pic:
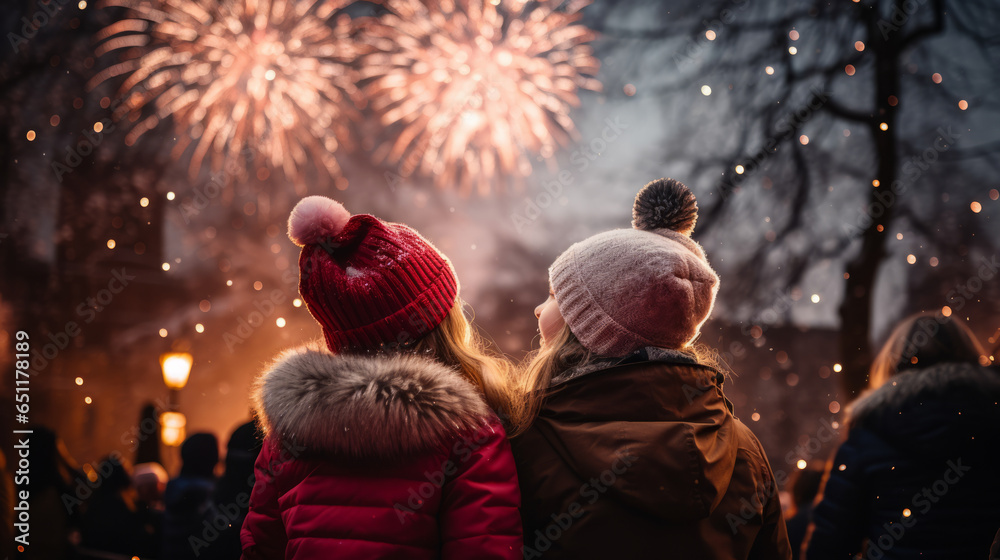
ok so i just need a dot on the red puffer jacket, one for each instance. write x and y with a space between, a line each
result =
378 458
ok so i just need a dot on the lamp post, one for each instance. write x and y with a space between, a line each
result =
176 368
172 428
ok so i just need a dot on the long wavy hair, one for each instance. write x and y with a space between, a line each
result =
922 340
565 351
562 352
456 343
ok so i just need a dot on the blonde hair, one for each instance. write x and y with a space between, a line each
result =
455 343
555 356
922 340
562 352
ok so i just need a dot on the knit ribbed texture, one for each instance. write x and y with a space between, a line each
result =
626 289
375 284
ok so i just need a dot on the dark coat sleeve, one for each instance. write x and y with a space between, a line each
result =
839 518
479 506
263 534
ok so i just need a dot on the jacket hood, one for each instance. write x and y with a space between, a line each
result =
363 406
663 432
933 410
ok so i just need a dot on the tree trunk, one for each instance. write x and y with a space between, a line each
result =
862 271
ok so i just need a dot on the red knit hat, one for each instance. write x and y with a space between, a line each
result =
368 283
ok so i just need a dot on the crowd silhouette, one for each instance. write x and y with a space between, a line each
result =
117 509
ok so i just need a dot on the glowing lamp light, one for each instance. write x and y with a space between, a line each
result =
801 464
172 428
176 369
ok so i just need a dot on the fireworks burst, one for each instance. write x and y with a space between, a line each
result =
470 89
245 81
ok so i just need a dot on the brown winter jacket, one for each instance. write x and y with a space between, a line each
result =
646 460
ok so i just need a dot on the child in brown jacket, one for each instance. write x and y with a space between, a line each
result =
635 452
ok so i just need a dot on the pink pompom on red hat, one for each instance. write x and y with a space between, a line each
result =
314 218
368 283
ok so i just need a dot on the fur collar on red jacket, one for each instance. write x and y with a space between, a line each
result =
364 406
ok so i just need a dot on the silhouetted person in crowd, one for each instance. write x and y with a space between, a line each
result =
188 498
150 482
54 474
232 494
917 475
114 522
804 485
148 439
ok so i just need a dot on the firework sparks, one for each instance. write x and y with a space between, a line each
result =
470 89
245 81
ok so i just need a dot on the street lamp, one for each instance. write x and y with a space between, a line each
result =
172 428
176 370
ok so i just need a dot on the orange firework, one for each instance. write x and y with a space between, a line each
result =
469 90
260 80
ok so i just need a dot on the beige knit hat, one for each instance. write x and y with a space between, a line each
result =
626 289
